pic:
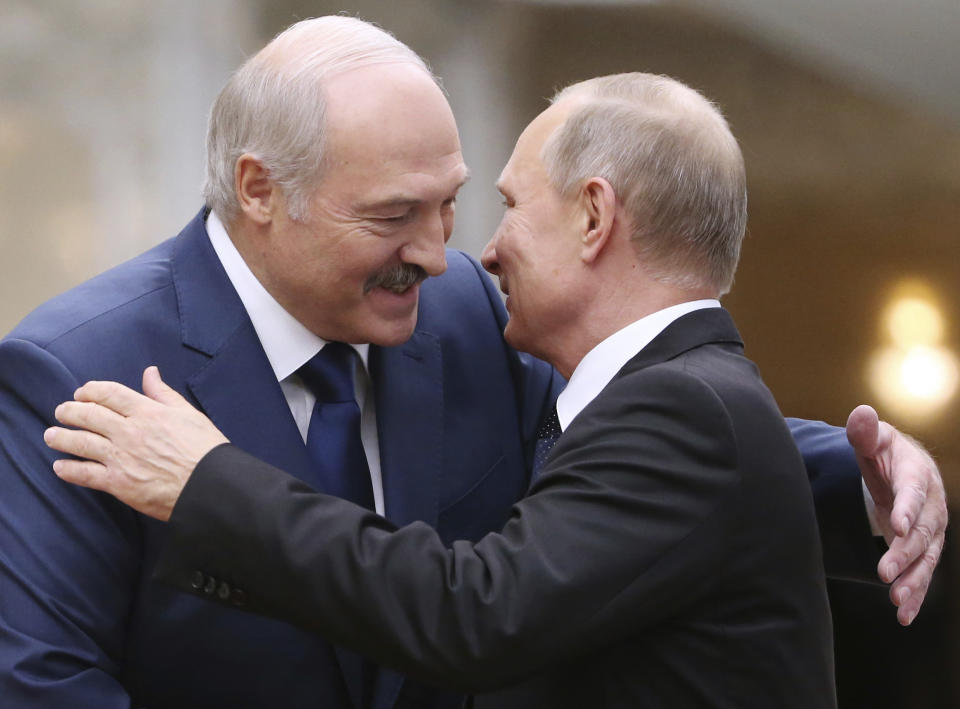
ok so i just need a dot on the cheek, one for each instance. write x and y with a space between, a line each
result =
448 220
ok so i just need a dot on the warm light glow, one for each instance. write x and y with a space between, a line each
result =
913 374
914 321
914 381
929 373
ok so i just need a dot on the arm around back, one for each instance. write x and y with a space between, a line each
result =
849 549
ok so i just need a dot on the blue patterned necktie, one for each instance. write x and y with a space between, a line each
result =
333 439
547 436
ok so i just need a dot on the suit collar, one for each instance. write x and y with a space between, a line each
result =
702 327
601 364
210 309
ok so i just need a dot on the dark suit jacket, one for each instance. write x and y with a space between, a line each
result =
81 623
667 557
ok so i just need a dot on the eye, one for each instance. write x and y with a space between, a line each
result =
398 218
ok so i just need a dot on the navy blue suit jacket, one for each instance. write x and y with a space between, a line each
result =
81 622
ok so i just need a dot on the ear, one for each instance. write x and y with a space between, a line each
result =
599 205
256 192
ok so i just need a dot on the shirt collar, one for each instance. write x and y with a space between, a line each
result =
286 342
602 363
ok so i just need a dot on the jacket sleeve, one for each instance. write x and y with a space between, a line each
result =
68 560
850 552
617 535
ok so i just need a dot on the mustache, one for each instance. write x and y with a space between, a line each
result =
396 278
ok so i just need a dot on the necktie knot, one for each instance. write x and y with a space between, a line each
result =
329 373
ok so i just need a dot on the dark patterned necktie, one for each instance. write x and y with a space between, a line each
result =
333 438
547 436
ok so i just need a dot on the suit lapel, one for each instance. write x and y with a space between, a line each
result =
237 387
238 391
408 385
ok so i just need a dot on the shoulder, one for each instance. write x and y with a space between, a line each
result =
462 305
653 416
708 402
464 288
664 389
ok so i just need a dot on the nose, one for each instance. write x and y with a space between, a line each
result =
489 256
427 248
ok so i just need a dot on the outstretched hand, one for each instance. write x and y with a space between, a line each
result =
140 448
910 503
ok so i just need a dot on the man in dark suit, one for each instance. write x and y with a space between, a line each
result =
666 556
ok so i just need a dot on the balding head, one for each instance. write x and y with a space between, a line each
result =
274 106
673 163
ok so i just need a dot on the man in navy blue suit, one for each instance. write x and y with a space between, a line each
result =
333 168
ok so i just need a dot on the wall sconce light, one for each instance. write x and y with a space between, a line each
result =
914 374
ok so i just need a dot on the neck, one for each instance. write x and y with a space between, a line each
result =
248 239
616 307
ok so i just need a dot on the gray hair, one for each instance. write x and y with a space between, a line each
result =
673 163
273 106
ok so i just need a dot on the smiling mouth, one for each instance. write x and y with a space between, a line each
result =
398 289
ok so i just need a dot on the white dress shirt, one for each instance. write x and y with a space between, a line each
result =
603 362
289 345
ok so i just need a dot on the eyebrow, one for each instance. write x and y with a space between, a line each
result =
404 201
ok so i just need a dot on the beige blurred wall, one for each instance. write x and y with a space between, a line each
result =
102 113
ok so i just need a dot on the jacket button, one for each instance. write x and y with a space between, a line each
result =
223 591
210 586
196 580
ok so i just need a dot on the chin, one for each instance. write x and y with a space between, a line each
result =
391 334
513 334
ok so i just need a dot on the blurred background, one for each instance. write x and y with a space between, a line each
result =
848 112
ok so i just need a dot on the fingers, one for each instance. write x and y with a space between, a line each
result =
910 589
913 477
155 388
904 551
872 442
910 496
863 429
85 473
82 444
92 417
112 395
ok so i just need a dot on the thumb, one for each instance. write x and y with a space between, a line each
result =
863 430
156 388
